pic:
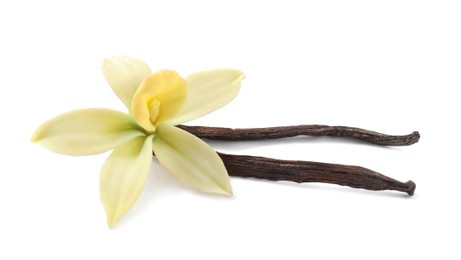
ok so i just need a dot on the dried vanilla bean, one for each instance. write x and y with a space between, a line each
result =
305 171
231 134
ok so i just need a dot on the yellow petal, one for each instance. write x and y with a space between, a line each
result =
86 131
160 97
123 176
190 160
124 75
208 91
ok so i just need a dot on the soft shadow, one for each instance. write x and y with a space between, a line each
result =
160 185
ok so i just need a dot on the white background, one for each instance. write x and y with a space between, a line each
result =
389 66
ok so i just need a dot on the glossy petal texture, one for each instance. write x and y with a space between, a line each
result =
160 97
86 131
190 160
124 75
208 91
123 176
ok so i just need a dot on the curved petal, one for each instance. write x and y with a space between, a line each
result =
124 75
123 176
86 131
160 97
208 91
190 160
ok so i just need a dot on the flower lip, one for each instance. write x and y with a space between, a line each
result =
159 97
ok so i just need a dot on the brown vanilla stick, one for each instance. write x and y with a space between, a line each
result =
305 171
231 134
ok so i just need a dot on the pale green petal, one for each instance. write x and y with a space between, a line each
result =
208 91
160 97
123 176
190 160
124 75
86 131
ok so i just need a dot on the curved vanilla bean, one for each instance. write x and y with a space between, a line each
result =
305 171
230 134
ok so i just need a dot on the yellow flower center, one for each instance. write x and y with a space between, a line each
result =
154 106
165 88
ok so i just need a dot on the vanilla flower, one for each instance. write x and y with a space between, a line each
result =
156 102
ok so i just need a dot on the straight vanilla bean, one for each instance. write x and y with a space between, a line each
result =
305 171
230 134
